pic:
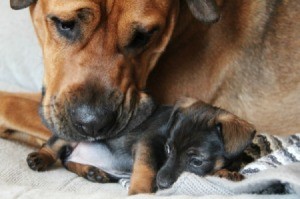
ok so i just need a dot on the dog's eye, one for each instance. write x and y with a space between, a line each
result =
167 149
141 38
66 28
195 162
66 25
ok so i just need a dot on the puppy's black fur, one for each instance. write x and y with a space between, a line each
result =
202 140
192 136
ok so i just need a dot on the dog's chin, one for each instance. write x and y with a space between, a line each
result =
77 137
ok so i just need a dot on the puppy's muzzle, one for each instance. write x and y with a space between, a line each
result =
165 177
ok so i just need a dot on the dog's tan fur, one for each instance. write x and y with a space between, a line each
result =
247 62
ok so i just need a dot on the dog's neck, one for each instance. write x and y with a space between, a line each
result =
213 45
186 25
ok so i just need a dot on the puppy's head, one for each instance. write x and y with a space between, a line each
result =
202 139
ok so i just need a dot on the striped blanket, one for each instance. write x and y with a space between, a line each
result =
271 151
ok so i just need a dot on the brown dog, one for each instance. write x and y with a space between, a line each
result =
240 55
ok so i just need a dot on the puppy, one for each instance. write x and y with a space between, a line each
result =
204 140
192 136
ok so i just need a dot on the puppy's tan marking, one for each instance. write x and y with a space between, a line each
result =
143 174
230 175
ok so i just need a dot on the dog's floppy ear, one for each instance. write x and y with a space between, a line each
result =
236 132
20 4
204 10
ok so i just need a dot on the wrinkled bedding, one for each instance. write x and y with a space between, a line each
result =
21 70
18 181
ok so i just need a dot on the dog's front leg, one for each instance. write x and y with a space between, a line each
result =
19 118
49 153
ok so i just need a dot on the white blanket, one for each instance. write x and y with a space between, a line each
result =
21 70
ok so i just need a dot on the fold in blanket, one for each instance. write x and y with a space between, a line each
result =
282 180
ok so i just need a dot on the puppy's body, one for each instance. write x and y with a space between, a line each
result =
115 156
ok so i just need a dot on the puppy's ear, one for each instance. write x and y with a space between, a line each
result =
236 132
204 10
178 112
20 4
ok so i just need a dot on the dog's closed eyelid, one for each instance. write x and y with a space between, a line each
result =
54 18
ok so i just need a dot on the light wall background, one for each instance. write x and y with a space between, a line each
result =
21 65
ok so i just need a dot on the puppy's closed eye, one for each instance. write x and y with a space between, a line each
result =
195 161
195 157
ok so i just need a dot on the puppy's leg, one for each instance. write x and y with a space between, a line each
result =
230 175
89 172
19 118
48 154
144 170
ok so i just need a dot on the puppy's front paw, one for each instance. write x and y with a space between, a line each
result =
96 175
141 186
133 190
37 161
230 175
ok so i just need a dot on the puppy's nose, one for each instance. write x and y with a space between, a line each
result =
163 183
89 120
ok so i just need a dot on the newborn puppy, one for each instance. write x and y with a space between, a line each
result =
200 138
204 140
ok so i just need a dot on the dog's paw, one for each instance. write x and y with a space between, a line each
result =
5 132
96 175
37 161
2 130
230 175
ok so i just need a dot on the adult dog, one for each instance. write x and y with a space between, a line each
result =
100 55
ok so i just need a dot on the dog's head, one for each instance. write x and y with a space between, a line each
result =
202 140
98 55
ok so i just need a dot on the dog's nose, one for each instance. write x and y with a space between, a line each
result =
89 120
